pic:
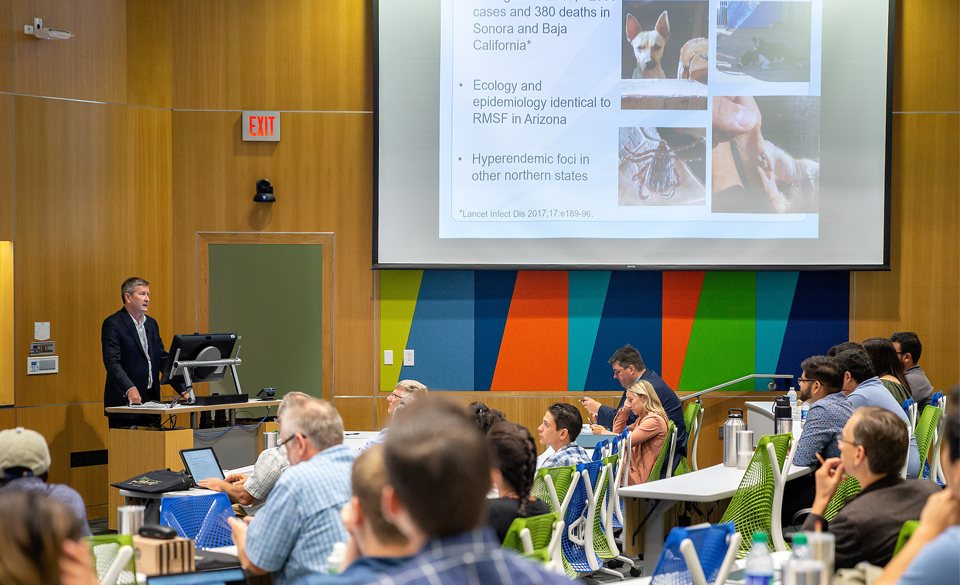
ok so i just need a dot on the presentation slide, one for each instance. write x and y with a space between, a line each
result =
660 133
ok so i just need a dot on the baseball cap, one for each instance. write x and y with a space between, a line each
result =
22 447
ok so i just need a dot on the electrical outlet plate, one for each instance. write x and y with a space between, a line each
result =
388 357
408 357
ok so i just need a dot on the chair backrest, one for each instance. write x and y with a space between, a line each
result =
662 466
751 508
707 558
926 428
906 531
201 518
554 491
693 419
531 536
104 549
849 487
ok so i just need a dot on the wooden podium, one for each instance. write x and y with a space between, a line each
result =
137 451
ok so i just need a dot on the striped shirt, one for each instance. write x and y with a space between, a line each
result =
294 532
471 558
270 464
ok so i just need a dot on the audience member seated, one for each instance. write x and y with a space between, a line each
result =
888 367
25 465
821 386
408 390
35 527
439 471
375 546
515 465
628 367
932 555
865 389
873 448
561 426
485 417
907 346
647 433
294 532
251 491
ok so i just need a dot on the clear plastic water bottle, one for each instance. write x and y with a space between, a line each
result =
337 555
804 409
802 568
794 407
759 564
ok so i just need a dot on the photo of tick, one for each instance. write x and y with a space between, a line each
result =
662 166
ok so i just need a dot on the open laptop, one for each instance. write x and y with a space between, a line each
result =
221 577
201 464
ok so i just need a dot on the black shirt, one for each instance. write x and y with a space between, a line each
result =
501 513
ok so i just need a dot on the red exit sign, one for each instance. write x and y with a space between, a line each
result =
261 126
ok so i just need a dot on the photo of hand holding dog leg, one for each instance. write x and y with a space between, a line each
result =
776 174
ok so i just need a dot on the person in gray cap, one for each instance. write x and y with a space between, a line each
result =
24 465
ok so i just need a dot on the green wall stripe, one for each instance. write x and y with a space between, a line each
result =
723 339
398 300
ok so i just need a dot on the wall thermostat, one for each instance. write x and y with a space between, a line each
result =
43 365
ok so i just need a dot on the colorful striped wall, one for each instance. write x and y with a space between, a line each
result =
551 331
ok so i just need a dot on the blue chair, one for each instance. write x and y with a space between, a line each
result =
697 555
202 519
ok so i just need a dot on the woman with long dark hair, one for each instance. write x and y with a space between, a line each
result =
888 367
515 460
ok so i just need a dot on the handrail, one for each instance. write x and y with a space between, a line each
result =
737 381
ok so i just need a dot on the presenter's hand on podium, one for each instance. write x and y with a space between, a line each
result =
133 396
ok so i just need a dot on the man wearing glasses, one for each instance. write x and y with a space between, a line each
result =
873 449
294 533
408 390
821 385
628 367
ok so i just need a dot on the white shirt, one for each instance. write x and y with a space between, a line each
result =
142 332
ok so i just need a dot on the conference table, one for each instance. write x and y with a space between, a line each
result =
706 485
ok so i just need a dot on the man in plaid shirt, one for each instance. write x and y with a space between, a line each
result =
561 426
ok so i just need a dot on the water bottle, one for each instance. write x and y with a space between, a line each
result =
759 564
794 406
804 409
802 568
337 555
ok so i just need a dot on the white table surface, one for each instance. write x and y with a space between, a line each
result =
706 485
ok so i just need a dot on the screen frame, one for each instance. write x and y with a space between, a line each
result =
887 188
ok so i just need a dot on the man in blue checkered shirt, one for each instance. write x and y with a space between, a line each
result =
561 426
439 470
294 532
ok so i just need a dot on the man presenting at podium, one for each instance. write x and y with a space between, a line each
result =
133 354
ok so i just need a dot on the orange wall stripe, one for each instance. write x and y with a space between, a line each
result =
681 294
533 353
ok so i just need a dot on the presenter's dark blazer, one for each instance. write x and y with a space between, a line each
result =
126 362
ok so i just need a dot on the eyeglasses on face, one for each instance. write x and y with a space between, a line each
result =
285 441
616 371
802 379
840 439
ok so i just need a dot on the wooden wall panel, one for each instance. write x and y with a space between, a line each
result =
8 197
356 412
149 53
7 393
321 171
926 67
6 48
267 55
8 418
70 428
93 209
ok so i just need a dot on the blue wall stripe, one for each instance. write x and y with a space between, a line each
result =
774 300
632 313
819 318
587 292
493 291
442 331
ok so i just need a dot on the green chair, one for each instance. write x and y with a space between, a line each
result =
693 419
849 487
926 431
553 486
756 505
537 538
906 531
662 468
113 558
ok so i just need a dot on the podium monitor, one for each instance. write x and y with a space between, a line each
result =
198 347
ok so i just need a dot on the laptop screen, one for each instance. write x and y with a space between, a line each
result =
222 577
201 463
